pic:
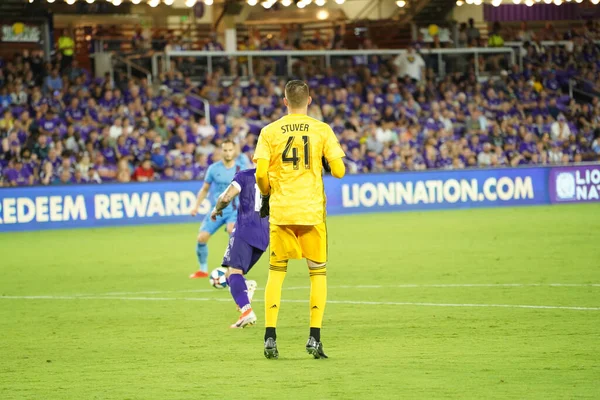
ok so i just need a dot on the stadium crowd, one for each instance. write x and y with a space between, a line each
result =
58 125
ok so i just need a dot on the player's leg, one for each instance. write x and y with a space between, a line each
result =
229 219
283 246
313 241
251 284
207 229
240 260
237 259
239 292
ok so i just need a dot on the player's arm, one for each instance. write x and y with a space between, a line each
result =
202 193
338 168
262 177
262 158
333 155
232 191
262 181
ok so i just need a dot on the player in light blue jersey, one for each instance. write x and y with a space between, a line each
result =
218 177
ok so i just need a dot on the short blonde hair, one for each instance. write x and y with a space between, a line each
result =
296 93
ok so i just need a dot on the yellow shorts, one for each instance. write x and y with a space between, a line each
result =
290 242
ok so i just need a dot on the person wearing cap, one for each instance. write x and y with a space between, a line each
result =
559 129
555 155
158 156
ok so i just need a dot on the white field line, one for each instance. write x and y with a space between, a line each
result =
371 303
403 286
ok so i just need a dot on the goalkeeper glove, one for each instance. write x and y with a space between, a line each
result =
326 166
264 206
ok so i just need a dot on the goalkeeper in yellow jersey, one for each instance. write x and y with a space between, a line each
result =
290 156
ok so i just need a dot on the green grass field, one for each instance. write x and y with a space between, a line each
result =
111 314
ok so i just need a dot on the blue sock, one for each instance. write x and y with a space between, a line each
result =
202 253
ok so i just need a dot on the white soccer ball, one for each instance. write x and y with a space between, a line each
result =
217 278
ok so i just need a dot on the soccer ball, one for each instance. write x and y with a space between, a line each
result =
217 278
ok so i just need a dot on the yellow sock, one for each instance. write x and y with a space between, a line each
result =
273 294
318 295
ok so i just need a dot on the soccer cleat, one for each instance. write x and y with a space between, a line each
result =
271 348
247 318
199 274
315 348
251 285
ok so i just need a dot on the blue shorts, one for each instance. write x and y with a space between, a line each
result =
210 226
241 255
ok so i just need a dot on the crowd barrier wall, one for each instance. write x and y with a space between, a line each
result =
77 206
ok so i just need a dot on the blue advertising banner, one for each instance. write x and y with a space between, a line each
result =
575 184
437 190
55 207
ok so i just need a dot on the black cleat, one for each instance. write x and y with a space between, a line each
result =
271 348
315 348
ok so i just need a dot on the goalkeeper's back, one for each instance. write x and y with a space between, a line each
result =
294 146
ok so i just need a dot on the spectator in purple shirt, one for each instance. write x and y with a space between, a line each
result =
74 113
107 172
17 175
527 147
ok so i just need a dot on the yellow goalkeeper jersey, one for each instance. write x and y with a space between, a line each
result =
294 146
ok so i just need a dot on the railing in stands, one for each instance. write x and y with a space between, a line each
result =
439 55
544 43
577 88
194 99
130 66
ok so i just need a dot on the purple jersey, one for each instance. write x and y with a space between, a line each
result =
249 226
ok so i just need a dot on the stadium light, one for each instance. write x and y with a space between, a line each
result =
209 2
252 2
578 1
137 1
286 3
529 3
300 4
558 2
167 2
477 2
190 3
50 1
340 1
154 3
266 4
517 1
402 3
320 3
469 1
595 1
496 3
117 2
89 1
322 15
70 2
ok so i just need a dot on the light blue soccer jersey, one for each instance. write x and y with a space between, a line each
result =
219 177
